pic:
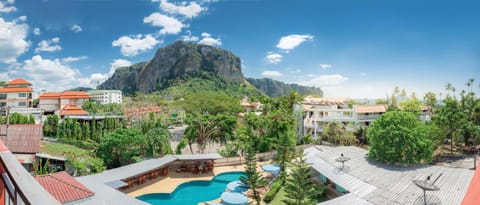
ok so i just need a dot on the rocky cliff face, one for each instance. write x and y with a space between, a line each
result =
178 60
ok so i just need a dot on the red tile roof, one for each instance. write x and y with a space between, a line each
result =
472 197
18 81
74 94
73 110
49 96
64 187
15 90
22 138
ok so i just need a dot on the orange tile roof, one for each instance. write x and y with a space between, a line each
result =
15 90
22 138
64 187
472 197
49 96
18 81
74 94
370 108
73 110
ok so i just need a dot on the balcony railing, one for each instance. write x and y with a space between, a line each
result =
17 186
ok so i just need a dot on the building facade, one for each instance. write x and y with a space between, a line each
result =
16 93
64 103
106 96
318 112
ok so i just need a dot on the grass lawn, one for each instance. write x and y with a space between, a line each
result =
59 149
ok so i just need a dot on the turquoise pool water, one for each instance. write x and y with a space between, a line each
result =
194 192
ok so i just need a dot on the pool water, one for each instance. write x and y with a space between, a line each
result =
194 192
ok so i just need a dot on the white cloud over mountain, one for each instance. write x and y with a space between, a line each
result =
271 73
134 45
325 80
168 24
208 40
290 42
273 58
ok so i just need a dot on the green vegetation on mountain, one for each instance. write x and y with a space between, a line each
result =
274 88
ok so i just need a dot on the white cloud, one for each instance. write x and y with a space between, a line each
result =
6 7
169 25
133 45
208 40
49 45
22 18
363 74
273 58
325 66
118 63
13 41
189 37
76 28
50 74
36 31
288 43
189 10
325 80
73 59
271 73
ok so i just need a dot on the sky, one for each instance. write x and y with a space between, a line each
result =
349 48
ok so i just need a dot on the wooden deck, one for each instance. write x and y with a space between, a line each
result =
376 183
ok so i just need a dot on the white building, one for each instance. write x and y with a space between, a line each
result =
106 96
320 111
17 93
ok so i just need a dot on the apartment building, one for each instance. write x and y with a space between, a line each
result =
106 96
64 104
321 111
16 93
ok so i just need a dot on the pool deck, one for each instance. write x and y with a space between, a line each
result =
168 183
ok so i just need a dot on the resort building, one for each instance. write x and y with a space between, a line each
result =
106 96
16 93
67 103
65 188
23 141
318 112
250 106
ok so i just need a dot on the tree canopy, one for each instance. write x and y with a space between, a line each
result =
399 137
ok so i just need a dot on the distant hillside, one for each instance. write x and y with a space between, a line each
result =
183 67
81 89
274 88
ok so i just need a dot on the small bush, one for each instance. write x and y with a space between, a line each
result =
275 187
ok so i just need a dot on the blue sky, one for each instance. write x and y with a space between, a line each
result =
349 48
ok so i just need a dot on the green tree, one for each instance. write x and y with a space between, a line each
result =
281 129
299 188
119 147
157 142
430 100
451 118
253 178
51 126
399 137
210 128
208 102
411 105
336 133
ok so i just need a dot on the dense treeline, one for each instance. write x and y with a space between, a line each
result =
17 118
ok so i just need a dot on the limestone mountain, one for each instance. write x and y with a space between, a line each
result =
184 67
275 88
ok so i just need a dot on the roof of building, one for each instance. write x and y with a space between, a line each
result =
73 110
16 90
377 183
326 101
22 138
74 94
197 156
23 181
18 81
471 197
370 108
50 95
64 187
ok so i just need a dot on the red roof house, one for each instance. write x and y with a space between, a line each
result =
22 138
64 187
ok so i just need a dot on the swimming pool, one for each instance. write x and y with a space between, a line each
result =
194 192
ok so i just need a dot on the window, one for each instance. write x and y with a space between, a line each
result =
22 95
3 104
22 104
3 96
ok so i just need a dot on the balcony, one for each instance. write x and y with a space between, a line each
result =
17 186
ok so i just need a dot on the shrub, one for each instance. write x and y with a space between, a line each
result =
274 188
